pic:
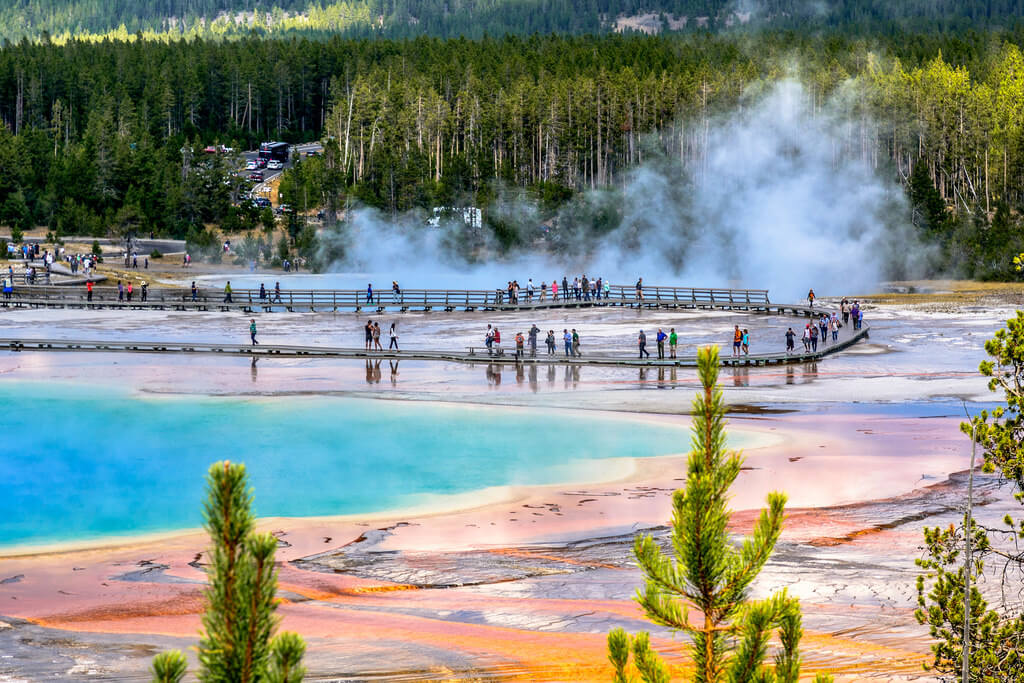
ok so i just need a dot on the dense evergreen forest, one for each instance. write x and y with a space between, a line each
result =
104 137
209 19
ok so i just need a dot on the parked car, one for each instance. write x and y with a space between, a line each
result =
256 176
250 166
274 165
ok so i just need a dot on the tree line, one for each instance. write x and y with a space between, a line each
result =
107 137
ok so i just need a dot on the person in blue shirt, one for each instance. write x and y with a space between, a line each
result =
660 338
369 293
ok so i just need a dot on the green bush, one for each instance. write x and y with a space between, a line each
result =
97 250
155 254
3 250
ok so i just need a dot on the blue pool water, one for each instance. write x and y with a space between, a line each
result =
79 463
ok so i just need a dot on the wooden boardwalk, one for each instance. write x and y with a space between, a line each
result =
278 351
249 301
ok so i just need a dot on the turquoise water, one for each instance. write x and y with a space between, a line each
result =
80 464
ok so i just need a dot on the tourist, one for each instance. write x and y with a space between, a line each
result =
585 283
660 340
746 342
737 340
369 293
489 340
814 338
519 345
640 289
790 339
844 308
642 343
393 334
227 292
823 326
145 290
576 289
543 290
396 292
567 338
607 289
263 292
120 291
376 338
810 297
550 341
807 337
497 341
565 289
529 290
252 331
88 290
554 290
128 293
834 326
576 343
368 333
673 339
534 331
195 291
277 292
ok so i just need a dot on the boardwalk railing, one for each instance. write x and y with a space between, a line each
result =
449 299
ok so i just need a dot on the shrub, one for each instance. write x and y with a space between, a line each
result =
155 254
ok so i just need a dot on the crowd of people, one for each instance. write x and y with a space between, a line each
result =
581 288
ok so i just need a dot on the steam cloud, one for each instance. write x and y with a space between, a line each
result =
778 201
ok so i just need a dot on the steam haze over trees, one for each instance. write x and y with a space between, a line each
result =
102 137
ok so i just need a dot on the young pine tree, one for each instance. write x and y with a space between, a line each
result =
239 621
730 642
995 633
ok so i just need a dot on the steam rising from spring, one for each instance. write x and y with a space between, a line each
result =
779 199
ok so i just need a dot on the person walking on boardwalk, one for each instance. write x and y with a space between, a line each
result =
369 293
823 326
277 292
833 326
585 283
810 297
227 292
737 340
489 340
534 331
660 340
252 331
145 291
576 343
567 338
565 288
376 338
393 333
120 291
607 289
263 292
814 338
368 333
641 341
519 345
790 340
554 290
497 341
543 290
128 293
550 341
844 308
673 339
640 289
746 342
195 291
396 292
88 290
529 291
